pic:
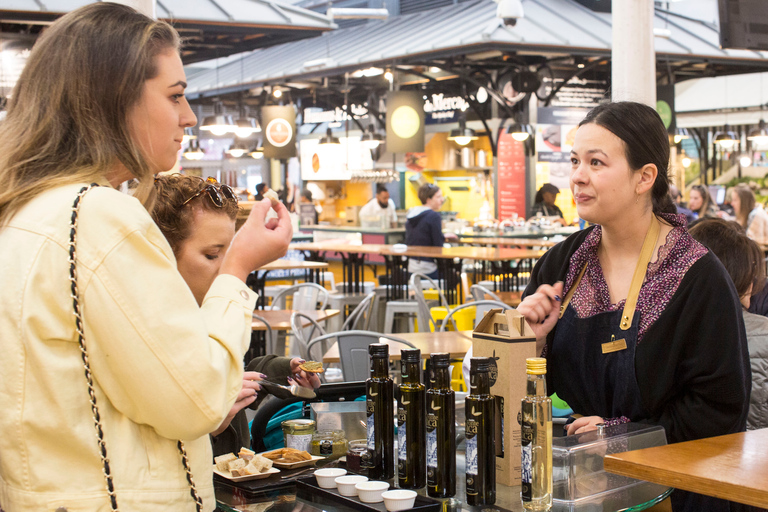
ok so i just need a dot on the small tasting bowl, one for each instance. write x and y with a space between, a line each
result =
346 484
326 477
370 492
399 499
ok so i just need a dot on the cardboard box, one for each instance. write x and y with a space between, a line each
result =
506 337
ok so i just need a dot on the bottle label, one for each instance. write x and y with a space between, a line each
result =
326 447
300 442
471 450
371 431
431 441
526 476
402 441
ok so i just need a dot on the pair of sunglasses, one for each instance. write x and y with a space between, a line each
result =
217 193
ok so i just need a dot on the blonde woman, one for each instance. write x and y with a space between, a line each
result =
750 215
101 100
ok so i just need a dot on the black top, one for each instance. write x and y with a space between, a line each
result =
425 228
546 210
693 362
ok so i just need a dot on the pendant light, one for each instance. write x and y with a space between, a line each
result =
519 132
257 151
726 138
371 138
680 134
219 123
194 152
328 138
246 125
463 135
759 135
237 149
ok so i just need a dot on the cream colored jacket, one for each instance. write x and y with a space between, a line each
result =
164 369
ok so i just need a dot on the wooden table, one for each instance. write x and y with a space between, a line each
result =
732 467
511 299
280 319
257 280
456 343
507 242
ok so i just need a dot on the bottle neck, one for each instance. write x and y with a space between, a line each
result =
481 383
410 372
379 367
536 385
442 378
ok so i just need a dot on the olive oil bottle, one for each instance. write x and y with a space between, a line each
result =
379 395
411 418
441 430
481 436
536 438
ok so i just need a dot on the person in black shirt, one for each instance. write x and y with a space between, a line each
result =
544 203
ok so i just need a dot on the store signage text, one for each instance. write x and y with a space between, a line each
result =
337 115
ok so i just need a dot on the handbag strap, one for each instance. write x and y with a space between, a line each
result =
75 294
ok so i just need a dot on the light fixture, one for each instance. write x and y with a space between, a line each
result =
759 135
189 134
463 135
686 162
371 138
367 72
194 152
277 93
246 126
219 123
237 149
680 134
726 138
257 151
389 76
328 138
519 132
745 161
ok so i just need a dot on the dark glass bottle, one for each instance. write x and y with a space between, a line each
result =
411 419
481 439
379 394
441 430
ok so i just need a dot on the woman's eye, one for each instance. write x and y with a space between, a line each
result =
177 97
574 162
212 256
596 162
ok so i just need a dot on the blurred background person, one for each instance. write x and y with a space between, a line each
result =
677 198
700 202
261 189
381 205
544 203
751 216
424 226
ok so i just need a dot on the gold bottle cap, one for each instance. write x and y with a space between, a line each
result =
536 366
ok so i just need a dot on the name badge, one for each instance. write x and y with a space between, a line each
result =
614 345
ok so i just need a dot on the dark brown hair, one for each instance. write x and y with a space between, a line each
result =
706 200
645 142
175 220
427 192
67 119
739 254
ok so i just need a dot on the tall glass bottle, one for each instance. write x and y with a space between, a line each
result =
441 430
379 394
480 432
411 419
536 439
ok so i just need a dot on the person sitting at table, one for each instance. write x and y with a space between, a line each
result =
261 189
424 227
638 321
544 203
700 202
198 220
749 215
743 260
381 206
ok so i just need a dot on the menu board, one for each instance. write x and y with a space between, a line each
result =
511 180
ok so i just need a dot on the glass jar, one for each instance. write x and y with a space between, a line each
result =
329 443
298 433
356 453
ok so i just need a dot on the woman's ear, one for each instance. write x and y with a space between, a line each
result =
647 175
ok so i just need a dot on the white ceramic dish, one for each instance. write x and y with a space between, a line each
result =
399 247
295 465
370 492
226 474
346 484
326 477
399 499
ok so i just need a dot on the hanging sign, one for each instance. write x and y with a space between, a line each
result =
511 178
405 122
279 125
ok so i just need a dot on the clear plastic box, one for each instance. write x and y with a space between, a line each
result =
579 482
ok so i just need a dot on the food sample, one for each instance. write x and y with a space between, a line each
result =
312 367
222 461
249 463
287 455
272 195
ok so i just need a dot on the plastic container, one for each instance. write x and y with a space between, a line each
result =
399 499
346 484
298 433
370 492
326 477
579 482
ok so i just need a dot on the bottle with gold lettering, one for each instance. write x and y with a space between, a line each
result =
536 438
379 395
479 409
411 418
441 430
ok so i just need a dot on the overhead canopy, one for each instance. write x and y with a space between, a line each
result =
209 28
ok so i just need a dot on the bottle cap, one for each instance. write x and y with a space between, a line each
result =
536 366
410 355
479 365
378 350
441 360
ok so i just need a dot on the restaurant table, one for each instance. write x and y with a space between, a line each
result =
257 279
511 299
507 242
456 343
732 467
280 321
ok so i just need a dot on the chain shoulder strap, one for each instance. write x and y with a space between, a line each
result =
75 294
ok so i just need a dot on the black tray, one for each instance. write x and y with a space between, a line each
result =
307 489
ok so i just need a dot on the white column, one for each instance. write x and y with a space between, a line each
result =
148 7
633 56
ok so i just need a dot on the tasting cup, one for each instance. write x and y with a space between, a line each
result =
370 492
346 484
399 499
326 477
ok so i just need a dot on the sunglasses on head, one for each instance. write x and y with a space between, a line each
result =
217 193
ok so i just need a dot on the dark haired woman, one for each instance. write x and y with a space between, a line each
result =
640 322
700 202
544 203
425 227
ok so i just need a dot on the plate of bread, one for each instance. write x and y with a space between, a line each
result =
246 465
290 458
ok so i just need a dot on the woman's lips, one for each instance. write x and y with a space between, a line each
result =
582 198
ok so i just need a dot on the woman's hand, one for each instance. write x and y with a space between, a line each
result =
584 424
542 309
245 398
258 241
302 378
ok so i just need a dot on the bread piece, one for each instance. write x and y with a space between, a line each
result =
274 454
259 464
246 454
236 464
222 461
312 367
293 455
272 195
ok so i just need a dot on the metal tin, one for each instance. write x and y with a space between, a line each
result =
298 433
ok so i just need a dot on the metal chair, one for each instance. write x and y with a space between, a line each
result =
479 292
424 315
483 306
304 335
353 351
305 296
360 317
269 344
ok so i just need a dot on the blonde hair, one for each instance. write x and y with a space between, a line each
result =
747 198
67 119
